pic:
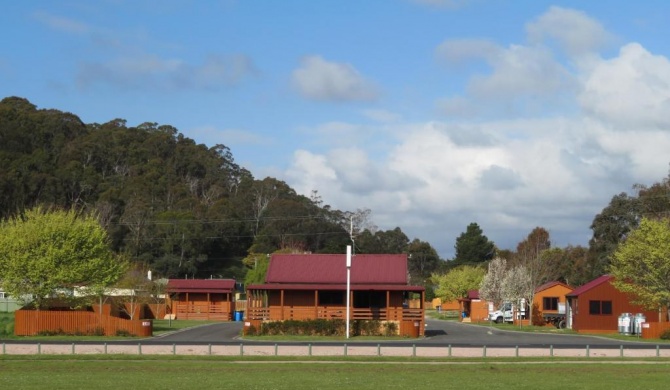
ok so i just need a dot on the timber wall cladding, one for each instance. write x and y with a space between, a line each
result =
34 322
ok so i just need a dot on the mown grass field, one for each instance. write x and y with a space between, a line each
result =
202 373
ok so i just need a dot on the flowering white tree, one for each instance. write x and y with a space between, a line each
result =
517 285
491 288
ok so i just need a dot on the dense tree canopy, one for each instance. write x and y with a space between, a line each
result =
457 282
167 203
42 252
641 264
473 247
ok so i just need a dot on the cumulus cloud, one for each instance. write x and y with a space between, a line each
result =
319 79
629 91
574 31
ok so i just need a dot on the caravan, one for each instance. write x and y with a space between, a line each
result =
507 312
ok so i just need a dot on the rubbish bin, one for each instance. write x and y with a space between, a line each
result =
239 315
625 323
638 320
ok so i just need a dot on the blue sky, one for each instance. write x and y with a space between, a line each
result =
432 113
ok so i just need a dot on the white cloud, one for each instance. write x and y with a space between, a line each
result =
60 23
609 130
319 79
154 72
575 32
630 91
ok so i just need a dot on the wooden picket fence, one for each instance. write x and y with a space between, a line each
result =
35 322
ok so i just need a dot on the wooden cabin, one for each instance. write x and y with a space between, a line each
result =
549 304
201 299
313 286
596 306
473 308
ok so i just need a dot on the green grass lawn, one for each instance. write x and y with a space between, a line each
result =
201 373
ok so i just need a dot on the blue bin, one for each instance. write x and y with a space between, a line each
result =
239 315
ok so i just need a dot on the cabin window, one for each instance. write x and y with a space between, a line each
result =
370 299
550 303
600 307
331 298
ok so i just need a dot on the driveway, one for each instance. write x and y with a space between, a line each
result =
438 333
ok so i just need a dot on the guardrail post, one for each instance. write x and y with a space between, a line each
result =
139 348
414 350
39 348
449 350
621 350
209 349
658 351
241 349
588 354
276 348
379 349
345 349
73 348
516 351
105 348
310 349
551 350
174 349
484 351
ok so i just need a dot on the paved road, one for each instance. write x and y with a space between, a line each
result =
438 333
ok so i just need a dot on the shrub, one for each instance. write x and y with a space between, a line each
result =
665 335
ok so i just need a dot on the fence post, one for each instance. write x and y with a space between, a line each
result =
449 350
3 348
345 349
209 349
241 349
621 350
588 354
658 351
414 350
73 348
276 348
174 349
516 351
139 348
39 348
484 351
310 349
379 349
551 350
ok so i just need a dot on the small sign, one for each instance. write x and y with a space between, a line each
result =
146 323
247 323
645 325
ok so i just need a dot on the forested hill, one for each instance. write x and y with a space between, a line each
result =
173 205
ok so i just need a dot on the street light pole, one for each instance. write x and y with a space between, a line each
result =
348 285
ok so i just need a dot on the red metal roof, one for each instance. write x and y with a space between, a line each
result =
331 269
586 287
336 287
201 285
550 285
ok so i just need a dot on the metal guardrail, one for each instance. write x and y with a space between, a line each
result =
316 349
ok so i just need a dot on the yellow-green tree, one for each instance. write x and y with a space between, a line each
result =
457 282
43 252
641 264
